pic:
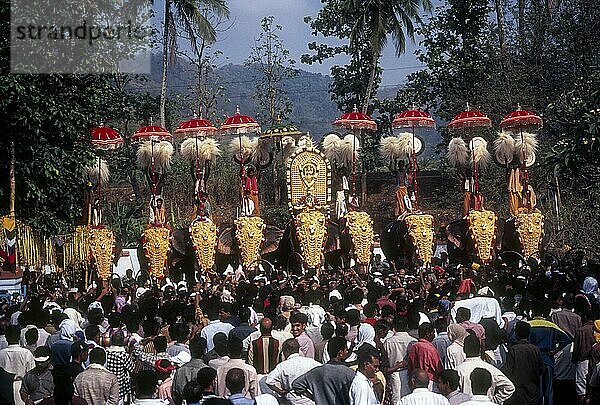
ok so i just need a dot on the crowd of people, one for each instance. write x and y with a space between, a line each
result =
450 335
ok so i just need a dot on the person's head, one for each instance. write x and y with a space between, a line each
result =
419 379
266 326
289 347
12 334
481 381
150 327
235 348
63 386
160 344
381 329
540 308
400 324
426 331
182 332
341 330
370 310
98 356
368 360
225 311
31 336
337 348
114 320
117 339
79 352
235 380
448 381
221 345
92 333
145 384
197 347
522 330
353 317
327 331
472 346
206 377
42 357
164 368
192 391
440 325
299 322
244 314
463 314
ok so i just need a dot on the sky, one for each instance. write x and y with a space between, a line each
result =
246 15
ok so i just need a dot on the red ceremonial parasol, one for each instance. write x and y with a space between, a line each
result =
196 127
106 138
238 124
355 121
414 118
470 119
521 120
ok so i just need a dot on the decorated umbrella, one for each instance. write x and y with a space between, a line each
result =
473 119
153 134
414 118
104 138
356 122
238 124
521 122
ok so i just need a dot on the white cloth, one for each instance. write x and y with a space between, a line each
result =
396 347
340 204
266 399
210 330
479 400
74 315
502 388
42 336
287 371
480 307
280 335
455 355
16 360
422 396
316 314
361 391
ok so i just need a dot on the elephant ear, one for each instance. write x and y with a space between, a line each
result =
273 236
225 242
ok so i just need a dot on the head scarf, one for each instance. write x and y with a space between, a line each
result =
590 286
68 327
366 334
456 333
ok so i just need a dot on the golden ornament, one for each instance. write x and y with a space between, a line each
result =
482 227
249 237
204 238
156 247
420 230
312 235
102 243
530 228
360 228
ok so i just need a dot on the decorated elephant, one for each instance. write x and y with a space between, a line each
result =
461 245
527 233
408 242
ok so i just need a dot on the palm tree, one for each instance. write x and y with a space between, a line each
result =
191 15
376 20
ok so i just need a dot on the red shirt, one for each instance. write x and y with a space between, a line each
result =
370 321
251 184
423 354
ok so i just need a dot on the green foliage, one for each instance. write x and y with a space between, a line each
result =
274 64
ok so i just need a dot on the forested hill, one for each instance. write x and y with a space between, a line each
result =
312 111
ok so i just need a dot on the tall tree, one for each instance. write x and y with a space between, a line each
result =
377 20
270 56
191 16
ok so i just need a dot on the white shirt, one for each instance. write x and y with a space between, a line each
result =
422 396
479 400
287 371
17 360
210 330
502 388
280 335
361 391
